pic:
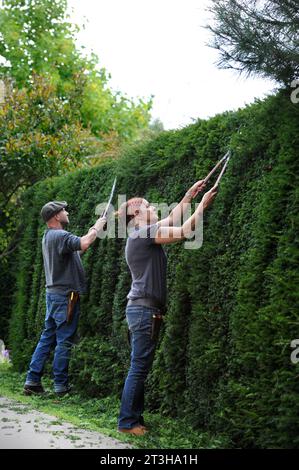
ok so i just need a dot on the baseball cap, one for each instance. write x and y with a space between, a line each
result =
52 208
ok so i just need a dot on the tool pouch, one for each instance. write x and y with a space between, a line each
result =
73 298
129 337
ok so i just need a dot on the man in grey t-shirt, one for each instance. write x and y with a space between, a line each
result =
146 300
147 263
65 281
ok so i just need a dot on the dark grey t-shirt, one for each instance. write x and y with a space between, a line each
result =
147 262
63 266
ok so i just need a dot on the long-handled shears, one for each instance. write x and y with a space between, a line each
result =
224 160
104 214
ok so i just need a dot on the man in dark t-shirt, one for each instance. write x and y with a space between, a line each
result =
147 262
65 281
62 262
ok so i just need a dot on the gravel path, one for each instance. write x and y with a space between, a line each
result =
24 428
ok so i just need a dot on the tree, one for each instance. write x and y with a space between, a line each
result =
40 136
258 37
37 38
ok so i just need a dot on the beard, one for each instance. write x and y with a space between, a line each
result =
64 223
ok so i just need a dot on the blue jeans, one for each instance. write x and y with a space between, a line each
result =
58 334
139 321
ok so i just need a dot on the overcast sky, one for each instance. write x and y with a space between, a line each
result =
158 47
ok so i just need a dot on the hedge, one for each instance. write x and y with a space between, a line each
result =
223 360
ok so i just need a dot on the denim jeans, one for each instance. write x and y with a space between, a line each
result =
139 321
57 333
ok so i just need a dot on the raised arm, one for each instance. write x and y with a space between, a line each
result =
92 234
166 235
177 213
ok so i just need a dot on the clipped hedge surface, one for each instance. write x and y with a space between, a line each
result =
223 360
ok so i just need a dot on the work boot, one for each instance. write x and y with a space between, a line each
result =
33 389
64 392
142 423
136 431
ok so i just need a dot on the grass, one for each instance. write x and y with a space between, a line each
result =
101 415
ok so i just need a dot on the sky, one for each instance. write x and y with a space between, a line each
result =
159 48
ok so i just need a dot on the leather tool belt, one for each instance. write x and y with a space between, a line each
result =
73 298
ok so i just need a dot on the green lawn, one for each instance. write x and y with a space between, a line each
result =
101 415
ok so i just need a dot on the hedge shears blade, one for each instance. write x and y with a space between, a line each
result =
110 199
223 169
223 159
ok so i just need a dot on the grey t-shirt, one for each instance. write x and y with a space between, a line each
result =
147 262
63 266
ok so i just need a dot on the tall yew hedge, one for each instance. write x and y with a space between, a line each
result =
223 360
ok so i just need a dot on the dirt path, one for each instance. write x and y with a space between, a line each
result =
24 428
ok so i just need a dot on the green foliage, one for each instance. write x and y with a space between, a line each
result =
223 359
95 367
100 414
40 136
257 37
37 38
